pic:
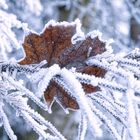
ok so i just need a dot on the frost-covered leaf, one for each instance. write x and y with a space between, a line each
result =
64 44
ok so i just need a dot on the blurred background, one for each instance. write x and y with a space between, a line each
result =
116 19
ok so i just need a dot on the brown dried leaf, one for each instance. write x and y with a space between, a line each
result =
54 45
62 97
49 45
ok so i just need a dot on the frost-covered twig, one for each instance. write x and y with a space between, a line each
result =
78 93
6 124
82 128
133 127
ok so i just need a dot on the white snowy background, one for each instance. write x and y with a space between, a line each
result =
118 20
